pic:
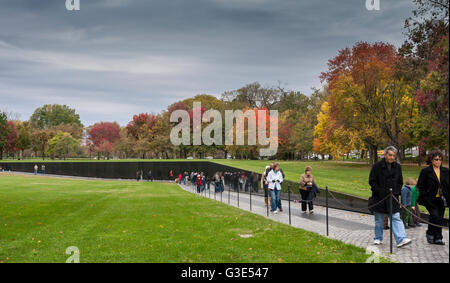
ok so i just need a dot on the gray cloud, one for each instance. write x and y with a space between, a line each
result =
116 58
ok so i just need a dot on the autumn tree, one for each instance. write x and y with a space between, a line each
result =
425 61
11 144
39 141
103 136
364 89
23 136
4 132
140 129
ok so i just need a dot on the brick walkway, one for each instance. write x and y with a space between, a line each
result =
349 227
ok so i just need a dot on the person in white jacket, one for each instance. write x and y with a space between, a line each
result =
275 178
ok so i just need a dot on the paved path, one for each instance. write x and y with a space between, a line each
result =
349 227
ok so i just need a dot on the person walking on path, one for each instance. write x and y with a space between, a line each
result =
275 178
35 169
434 195
406 210
138 175
43 169
415 205
149 175
265 186
384 176
198 182
306 185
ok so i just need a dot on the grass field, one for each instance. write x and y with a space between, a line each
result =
122 221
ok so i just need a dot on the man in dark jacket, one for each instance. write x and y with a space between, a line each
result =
384 176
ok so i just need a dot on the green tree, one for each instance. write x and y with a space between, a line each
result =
49 116
62 145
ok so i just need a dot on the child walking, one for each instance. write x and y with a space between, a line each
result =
406 210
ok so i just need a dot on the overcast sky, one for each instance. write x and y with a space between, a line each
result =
116 58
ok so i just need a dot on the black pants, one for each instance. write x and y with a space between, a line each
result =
304 194
436 209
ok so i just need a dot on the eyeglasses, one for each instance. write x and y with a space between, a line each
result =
437 159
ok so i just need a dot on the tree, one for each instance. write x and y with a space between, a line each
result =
252 95
62 145
140 130
4 132
103 136
39 141
425 57
24 136
125 144
12 138
357 79
49 116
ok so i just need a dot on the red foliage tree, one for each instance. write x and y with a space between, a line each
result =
103 136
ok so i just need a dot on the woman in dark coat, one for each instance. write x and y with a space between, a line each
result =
434 195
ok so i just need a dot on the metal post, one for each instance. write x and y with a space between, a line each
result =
326 190
229 190
250 198
238 189
209 191
390 216
289 201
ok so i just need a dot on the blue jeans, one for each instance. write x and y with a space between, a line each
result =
276 201
398 229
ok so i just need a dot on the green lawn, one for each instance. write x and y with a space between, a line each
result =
123 221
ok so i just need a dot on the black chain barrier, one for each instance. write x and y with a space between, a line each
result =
332 195
422 220
350 207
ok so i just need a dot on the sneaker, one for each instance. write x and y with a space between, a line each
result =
430 239
386 228
275 212
311 212
419 225
281 210
439 242
405 242
377 242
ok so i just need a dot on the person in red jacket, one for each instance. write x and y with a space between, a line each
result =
198 182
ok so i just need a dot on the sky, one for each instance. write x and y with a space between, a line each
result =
116 58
